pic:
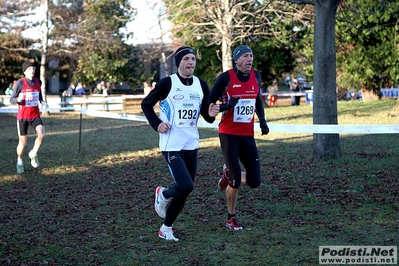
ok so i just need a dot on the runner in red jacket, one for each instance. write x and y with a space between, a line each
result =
27 94
239 91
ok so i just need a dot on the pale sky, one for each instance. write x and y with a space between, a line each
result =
146 26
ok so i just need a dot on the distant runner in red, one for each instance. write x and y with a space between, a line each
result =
27 94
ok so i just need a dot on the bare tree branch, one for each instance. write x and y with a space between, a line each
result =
227 22
300 2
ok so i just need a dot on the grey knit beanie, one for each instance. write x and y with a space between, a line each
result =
240 50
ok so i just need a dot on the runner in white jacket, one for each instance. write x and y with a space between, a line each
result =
182 99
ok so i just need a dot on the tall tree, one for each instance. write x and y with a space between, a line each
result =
65 18
78 31
230 22
367 39
44 46
12 57
102 53
224 16
270 60
14 47
19 16
273 61
368 45
325 73
325 98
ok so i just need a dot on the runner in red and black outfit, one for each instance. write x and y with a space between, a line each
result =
238 90
27 94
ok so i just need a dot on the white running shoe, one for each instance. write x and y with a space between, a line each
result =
20 168
166 232
161 203
34 160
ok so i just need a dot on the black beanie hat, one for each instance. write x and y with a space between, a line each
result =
26 65
240 50
181 52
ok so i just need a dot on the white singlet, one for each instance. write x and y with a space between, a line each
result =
181 109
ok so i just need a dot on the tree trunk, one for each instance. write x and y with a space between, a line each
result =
226 56
44 51
227 36
325 96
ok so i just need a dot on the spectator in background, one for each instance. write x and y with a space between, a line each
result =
287 81
263 88
70 89
105 91
80 90
9 89
147 88
98 89
294 87
104 88
101 89
272 97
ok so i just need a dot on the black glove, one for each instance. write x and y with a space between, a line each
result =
263 126
232 102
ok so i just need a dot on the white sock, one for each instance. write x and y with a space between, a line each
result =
166 228
19 161
33 151
162 197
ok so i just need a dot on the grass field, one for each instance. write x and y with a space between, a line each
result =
95 207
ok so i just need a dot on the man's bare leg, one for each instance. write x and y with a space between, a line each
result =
231 197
